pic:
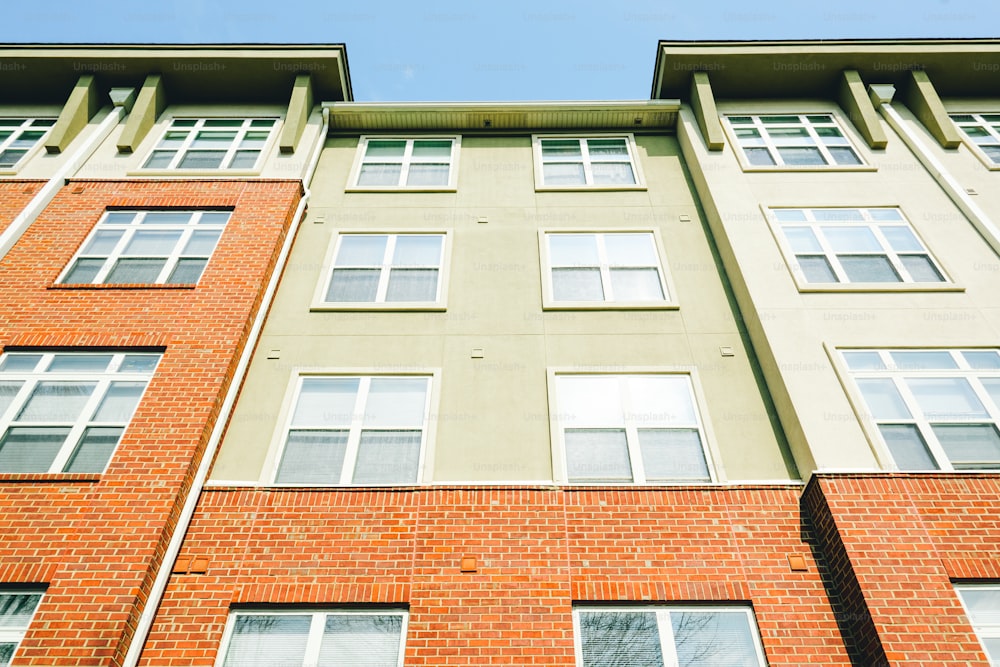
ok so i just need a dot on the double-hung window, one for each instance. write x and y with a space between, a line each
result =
362 430
983 130
635 428
932 409
147 247
854 245
212 143
314 638
591 269
607 161
785 140
667 636
18 136
399 163
982 605
16 609
66 411
401 270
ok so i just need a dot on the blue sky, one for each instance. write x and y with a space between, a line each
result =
447 50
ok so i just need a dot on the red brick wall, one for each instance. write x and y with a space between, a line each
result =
94 538
14 195
895 544
538 552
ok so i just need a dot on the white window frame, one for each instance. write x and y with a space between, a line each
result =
200 120
16 635
440 303
406 161
316 628
843 282
549 302
27 124
129 229
983 631
272 463
917 418
992 130
713 460
588 184
665 627
772 148
102 380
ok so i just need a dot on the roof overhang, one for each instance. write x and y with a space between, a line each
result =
232 73
783 69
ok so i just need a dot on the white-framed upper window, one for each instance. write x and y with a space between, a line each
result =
932 409
17 606
983 131
18 136
404 270
630 428
406 163
361 638
854 245
66 411
793 140
586 269
982 606
667 636
147 247
364 430
598 162
212 144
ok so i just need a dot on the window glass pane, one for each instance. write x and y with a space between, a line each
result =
885 214
135 271
759 156
851 239
563 174
255 140
790 136
353 285
94 450
435 149
244 159
863 361
383 148
8 390
970 446
636 285
620 639
612 173
214 217
30 449
262 122
79 363
223 122
396 403
427 174
213 139
83 272
139 363
126 217
360 640
56 401
673 454
590 401
597 455
202 242
901 239
16 609
103 242
187 272
837 215
326 401
982 603
630 250
312 457
268 641
907 446
411 285
802 239
918 360
801 156
202 160
417 250
713 639
749 137
380 174
152 243
883 399
982 359
16 363
830 135
119 402
661 400
817 270
6 649
946 398
159 160
577 285
573 249
361 250
387 457
600 148
561 149
921 268
993 153
869 269
788 214
843 155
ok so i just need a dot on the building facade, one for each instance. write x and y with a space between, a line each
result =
707 379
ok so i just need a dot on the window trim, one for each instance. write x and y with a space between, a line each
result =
359 158
968 141
800 109
791 263
666 280
275 451
163 124
16 637
713 458
982 632
36 148
326 275
316 625
633 154
665 629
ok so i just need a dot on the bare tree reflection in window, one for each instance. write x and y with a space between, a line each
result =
268 641
713 639
620 639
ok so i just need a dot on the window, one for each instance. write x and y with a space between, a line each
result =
211 143
66 411
793 141
428 163
398 269
18 136
630 428
604 161
933 409
307 639
982 605
16 609
593 269
356 430
147 247
667 636
984 132
854 245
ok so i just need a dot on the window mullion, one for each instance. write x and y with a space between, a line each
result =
354 435
831 255
175 254
921 422
891 254
404 171
241 132
384 274
819 142
604 267
666 630
185 146
588 172
314 641
631 432
78 428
